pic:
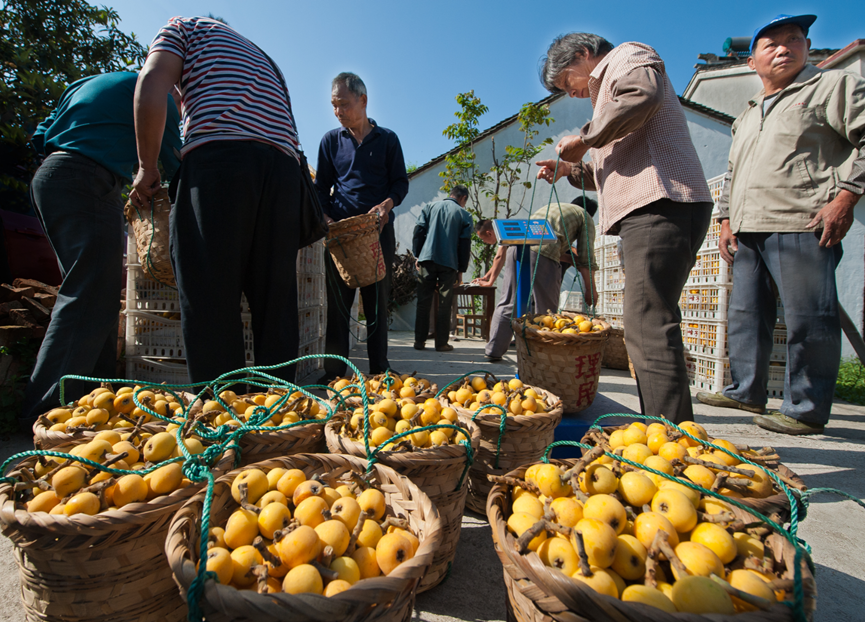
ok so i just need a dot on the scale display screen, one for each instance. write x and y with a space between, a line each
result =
523 231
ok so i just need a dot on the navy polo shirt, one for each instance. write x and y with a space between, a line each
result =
361 176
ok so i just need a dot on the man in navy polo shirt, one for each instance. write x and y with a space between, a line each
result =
360 170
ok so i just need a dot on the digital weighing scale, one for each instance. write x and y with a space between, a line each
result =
512 232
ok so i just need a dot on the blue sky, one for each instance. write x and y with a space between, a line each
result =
416 56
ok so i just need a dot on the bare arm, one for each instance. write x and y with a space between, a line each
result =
161 71
498 263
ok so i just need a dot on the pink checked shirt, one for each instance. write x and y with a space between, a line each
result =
655 161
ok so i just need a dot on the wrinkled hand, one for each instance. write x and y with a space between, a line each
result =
383 211
548 170
572 149
725 240
837 217
145 184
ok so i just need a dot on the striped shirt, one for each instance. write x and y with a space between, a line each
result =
230 90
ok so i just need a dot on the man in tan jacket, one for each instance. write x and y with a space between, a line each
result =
796 172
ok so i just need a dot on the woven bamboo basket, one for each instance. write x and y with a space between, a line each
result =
777 503
104 568
388 598
43 438
440 472
538 593
525 439
301 439
567 365
355 402
150 224
615 352
354 246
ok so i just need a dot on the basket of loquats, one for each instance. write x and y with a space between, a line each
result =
424 442
407 387
288 422
104 409
506 442
578 541
310 537
561 353
667 448
89 537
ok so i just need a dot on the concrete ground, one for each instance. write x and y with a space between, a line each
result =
474 590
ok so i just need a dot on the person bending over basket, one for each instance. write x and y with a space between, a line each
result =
89 141
574 246
652 193
360 170
234 223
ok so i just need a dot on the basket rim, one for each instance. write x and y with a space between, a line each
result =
180 555
537 572
133 513
355 225
517 421
529 332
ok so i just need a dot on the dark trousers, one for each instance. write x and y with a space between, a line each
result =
660 243
434 276
79 205
805 275
340 298
233 231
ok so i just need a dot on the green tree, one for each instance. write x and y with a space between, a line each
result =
502 187
45 45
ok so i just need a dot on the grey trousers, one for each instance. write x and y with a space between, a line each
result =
660 243
545 294
78 202
434 276
805 275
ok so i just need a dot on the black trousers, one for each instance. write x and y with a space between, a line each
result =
233 231
340 298
434 275
660 243
78 203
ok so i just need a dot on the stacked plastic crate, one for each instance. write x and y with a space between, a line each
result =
610 280
154 342
704 304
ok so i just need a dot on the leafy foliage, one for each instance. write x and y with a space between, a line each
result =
503 187
45 45
850 385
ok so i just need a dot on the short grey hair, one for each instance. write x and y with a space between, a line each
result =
351 81
459 191
564 50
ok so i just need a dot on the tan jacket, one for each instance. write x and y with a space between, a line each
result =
787 165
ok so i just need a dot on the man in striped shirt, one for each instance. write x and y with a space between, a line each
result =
233 226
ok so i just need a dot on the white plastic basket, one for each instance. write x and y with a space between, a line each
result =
145 294
310 259
710 269
311 324
707 373
706 338
308 367
154 335
157 371
616 321
572 301
612 279
713 235
611 256
705 302
310 291
775 385
613 302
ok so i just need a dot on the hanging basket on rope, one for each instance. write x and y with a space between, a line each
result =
150 224
356 251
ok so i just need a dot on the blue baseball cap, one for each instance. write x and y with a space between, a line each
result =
803 21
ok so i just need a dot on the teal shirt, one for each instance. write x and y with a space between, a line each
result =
95 118
445 223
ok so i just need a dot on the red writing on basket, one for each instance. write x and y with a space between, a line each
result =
587 365
586 392
375 247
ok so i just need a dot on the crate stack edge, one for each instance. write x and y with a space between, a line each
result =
704 303
155 351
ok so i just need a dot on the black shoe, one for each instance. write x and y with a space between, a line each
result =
420 346
445 348
493 359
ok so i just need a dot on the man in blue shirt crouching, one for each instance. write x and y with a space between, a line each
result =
89 141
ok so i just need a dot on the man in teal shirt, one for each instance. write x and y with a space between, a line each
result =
89 146
442 244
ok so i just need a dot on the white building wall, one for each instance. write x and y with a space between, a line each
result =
727 90
711 138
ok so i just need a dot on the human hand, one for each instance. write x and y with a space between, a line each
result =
727 239
837 217
572 149
328 220
592 298
146 183
548 170
383 211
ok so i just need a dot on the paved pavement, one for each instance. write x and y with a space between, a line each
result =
474 590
